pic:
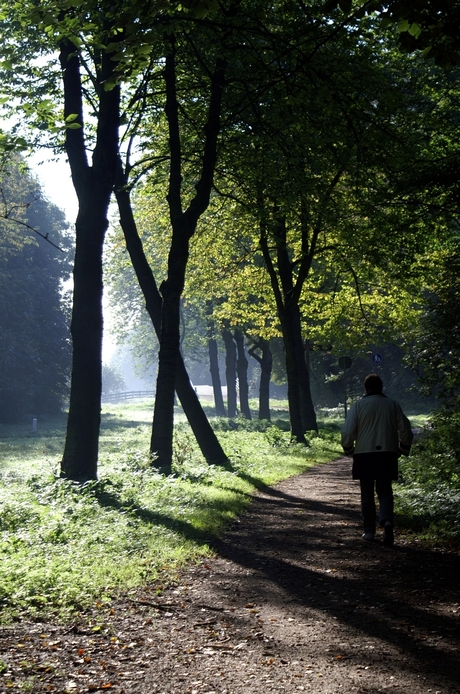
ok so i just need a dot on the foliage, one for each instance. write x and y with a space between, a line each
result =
112 379
427 499
122 30
359 290
91 541
437 345
351 236
430 26
34 339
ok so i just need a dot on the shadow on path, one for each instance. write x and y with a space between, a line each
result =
304 547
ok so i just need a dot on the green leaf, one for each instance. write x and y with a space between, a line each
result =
144 49
415 30
75 40
118 56
403 25
111 47
110 84
71 117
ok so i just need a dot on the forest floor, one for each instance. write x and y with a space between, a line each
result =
293 601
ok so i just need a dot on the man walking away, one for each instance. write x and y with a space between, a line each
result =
376 433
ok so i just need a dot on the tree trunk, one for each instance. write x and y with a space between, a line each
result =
204 434
93 185
79 461
265 361
266 364
161 443
215 378
183 227
301 411
230 372
242 371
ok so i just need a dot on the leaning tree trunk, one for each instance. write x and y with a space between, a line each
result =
93 185
242 371
183 225
230 372
265 360
204 434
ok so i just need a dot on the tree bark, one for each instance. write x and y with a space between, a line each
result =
204 434
215 378
230 372
265 361
93 185
301 411
303 417
183 227
242 371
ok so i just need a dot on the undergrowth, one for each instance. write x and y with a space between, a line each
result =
428 495
66 546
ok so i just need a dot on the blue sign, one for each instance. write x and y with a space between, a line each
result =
377 358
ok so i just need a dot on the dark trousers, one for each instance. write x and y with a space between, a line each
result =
385 494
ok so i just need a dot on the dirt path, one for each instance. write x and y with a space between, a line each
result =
294 601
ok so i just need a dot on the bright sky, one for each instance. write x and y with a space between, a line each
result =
54 177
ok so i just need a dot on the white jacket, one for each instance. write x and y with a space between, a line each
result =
376 423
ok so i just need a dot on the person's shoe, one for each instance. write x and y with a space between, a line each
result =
388 535
368 536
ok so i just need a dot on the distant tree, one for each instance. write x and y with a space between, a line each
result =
261 352
34 334
213 351
242 371
112 379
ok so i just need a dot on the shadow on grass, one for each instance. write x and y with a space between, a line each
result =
115 422
220 510
186 530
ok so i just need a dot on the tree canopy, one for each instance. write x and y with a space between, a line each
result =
295 131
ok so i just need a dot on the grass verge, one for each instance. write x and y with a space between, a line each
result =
428 494
65 546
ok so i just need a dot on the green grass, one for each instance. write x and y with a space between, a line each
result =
65 547
428 495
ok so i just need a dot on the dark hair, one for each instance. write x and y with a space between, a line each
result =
373 384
